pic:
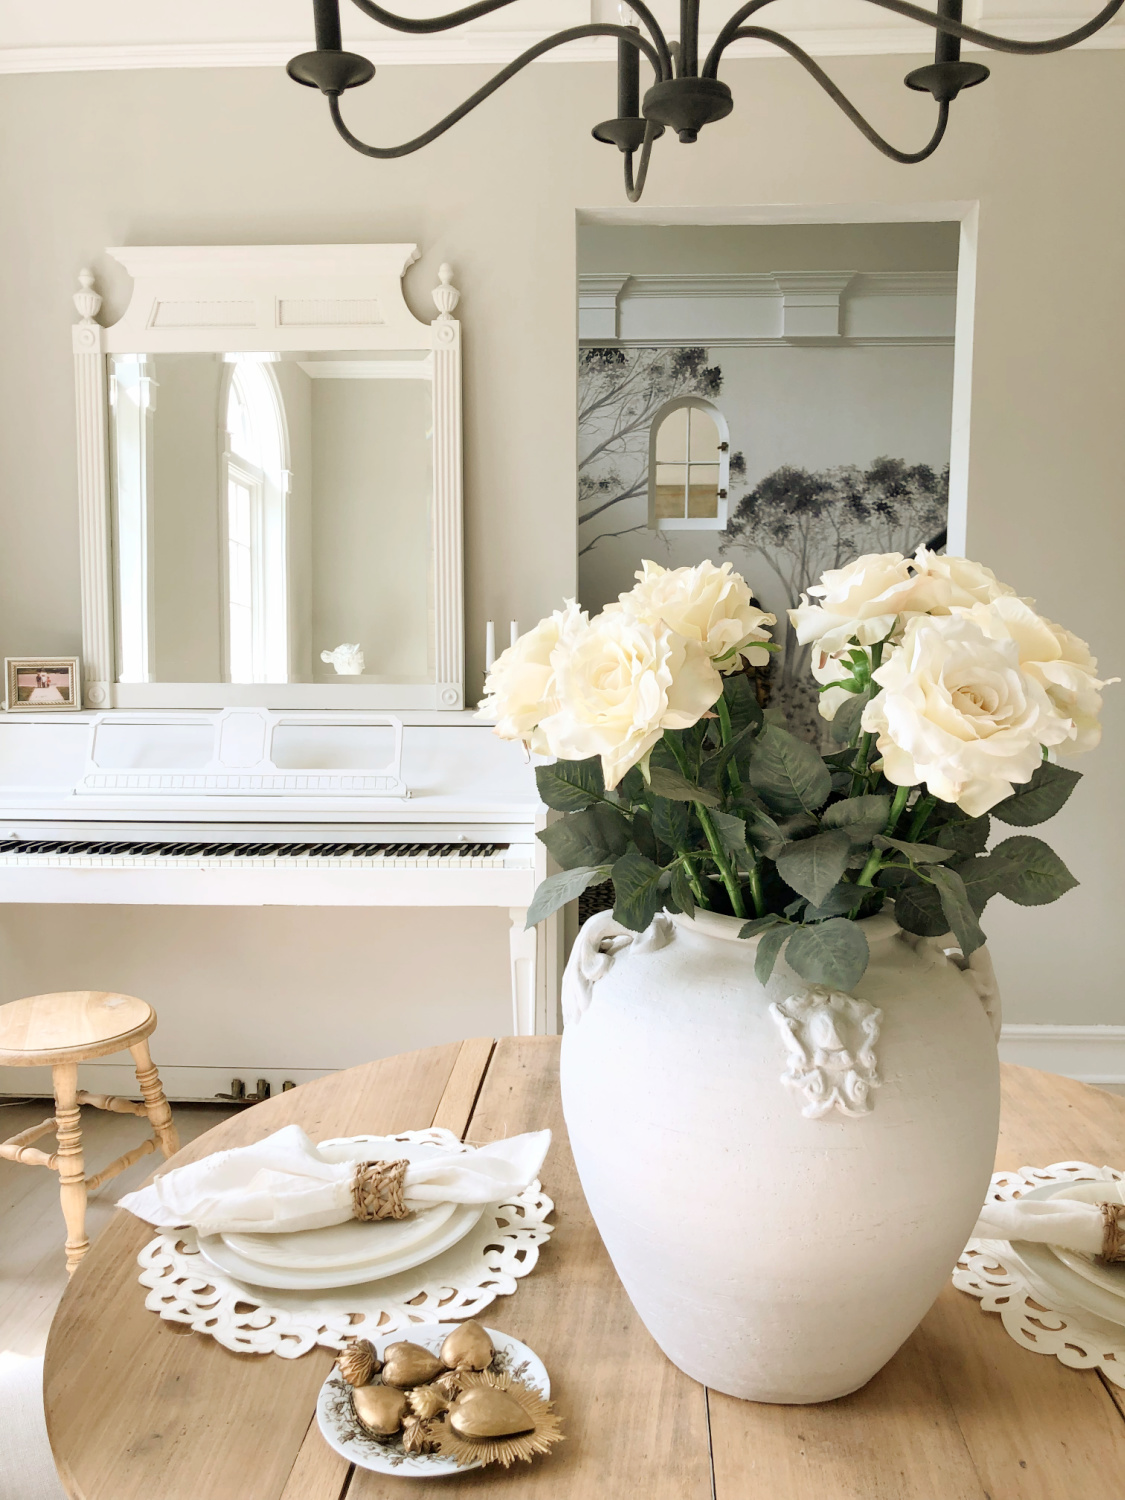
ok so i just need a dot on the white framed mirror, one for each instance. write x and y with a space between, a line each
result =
270 483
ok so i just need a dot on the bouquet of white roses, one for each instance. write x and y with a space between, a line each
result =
945 691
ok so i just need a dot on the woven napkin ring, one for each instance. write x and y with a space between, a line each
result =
1113 1236
377 1190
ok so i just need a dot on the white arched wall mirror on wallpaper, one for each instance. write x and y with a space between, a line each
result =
270 483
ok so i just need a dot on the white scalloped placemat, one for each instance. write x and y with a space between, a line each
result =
992 1271
486 1264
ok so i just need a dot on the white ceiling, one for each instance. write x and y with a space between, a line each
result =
67 35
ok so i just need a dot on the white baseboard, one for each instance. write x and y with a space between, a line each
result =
181 1083
1092 1054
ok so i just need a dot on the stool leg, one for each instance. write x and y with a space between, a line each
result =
72 1168
158 1109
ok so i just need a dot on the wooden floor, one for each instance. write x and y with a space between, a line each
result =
32 1264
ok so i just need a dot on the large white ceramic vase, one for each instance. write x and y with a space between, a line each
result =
783 1176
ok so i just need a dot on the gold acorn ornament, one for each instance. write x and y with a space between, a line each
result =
379 1409
496 1419
406 1365
358 1362
468 1348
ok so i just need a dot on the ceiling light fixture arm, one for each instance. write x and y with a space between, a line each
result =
453 18
575 33
945 23
760 33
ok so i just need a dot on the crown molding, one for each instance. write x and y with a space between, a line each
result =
754 309
493 48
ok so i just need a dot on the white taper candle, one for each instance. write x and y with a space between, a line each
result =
515 632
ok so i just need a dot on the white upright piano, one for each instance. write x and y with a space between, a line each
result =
273 706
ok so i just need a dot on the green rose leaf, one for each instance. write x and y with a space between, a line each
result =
981 876
813 866
671 822
918 906
965 835
861 818
758 925
596 836
787 773
840 900
732 834
1038 799
682 893
770 944
845 723
958 910
742 701
920 854
714 765
637 891
667 783
558 889
570 785
833 953
762 832
1030 872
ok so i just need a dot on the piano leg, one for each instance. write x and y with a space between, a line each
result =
523 954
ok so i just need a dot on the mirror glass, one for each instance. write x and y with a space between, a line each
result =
272 517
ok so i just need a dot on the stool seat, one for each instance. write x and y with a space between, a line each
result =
71 1026
64 1030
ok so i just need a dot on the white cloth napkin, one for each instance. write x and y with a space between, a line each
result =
284 1183
1053 1221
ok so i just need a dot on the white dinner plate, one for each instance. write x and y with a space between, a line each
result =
1109 1275
292 1279
1075 1290
336 1417
341 1246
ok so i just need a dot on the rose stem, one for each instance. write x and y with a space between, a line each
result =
709 829
871 868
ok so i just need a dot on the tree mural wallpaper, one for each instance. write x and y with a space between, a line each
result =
783 530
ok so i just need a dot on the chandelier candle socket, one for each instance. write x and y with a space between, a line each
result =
794 956
686 93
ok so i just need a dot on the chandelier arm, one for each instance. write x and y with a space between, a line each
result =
940 23
761 34
634 189
486 7
1003 43
572 34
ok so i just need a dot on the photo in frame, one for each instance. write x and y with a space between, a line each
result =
38 684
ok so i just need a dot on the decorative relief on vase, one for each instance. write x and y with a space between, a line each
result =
830 1038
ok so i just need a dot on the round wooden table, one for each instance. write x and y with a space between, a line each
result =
139 1409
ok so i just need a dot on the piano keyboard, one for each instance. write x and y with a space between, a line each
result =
61 853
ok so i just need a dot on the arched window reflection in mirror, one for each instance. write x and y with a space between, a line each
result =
254 485
689 466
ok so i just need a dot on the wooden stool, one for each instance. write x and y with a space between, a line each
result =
64 1030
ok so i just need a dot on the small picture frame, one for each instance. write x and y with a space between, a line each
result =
42 684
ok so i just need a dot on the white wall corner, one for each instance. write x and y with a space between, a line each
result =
1092 1054
597 306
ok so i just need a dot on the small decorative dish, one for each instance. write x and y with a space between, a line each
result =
512 1370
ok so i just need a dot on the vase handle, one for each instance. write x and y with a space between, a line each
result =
979 974
598 943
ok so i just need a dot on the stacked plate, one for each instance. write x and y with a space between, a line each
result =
345 1254
1080 1282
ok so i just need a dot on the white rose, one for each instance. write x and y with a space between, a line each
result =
1057 659
957 712
711 605
620 683
968 582
520 688
864 600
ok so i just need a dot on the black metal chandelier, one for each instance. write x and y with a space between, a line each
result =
684 95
